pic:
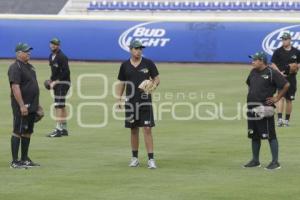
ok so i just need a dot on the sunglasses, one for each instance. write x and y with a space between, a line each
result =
136 48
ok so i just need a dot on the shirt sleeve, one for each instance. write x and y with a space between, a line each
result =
278 80
298 56
153 70
122 75
248 81
248 78
14 75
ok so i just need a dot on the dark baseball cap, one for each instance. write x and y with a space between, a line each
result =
136 44
286 35
23 47
55 41
259 56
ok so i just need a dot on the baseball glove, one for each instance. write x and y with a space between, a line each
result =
148 86
39 114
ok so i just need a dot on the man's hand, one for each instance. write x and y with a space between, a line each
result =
119 104
24 110
53 83
283 73
272 100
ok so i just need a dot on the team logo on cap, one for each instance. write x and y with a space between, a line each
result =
273 40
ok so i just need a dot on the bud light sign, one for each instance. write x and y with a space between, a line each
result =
150 34
273 40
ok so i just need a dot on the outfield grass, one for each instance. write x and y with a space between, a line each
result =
197 159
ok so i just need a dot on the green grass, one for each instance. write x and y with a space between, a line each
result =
197 159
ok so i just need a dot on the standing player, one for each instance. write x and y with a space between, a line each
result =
25 104
286 60
262 83
60 82
136 73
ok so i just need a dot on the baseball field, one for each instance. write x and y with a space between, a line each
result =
200 141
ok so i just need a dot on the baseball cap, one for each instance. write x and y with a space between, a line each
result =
136 44
55 41
259 56
23 47
286 35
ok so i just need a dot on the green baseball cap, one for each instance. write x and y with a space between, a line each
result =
136 44
55 41
286 35
23 47
259 56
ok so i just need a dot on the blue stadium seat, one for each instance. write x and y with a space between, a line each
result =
207 6
186 6
145 5
265 6
224 6
93 5
257 6
278 5
297 6
103 5
155 5
125 5
290 5
246 5
237 6
114 5
165 5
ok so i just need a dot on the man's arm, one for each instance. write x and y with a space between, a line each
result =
280 94
156 80
274 66
18 96
120 88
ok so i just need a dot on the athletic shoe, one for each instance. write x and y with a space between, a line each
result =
55 133
252 164
286 123
17 165
29 163
64 132
134 162
151 164
273 165
280 123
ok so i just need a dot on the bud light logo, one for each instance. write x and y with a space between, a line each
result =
149 34
273 40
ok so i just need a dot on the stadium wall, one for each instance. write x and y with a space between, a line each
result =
195 40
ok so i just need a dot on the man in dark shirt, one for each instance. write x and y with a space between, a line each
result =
60 83
138 103
286 60
263 82
25 104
